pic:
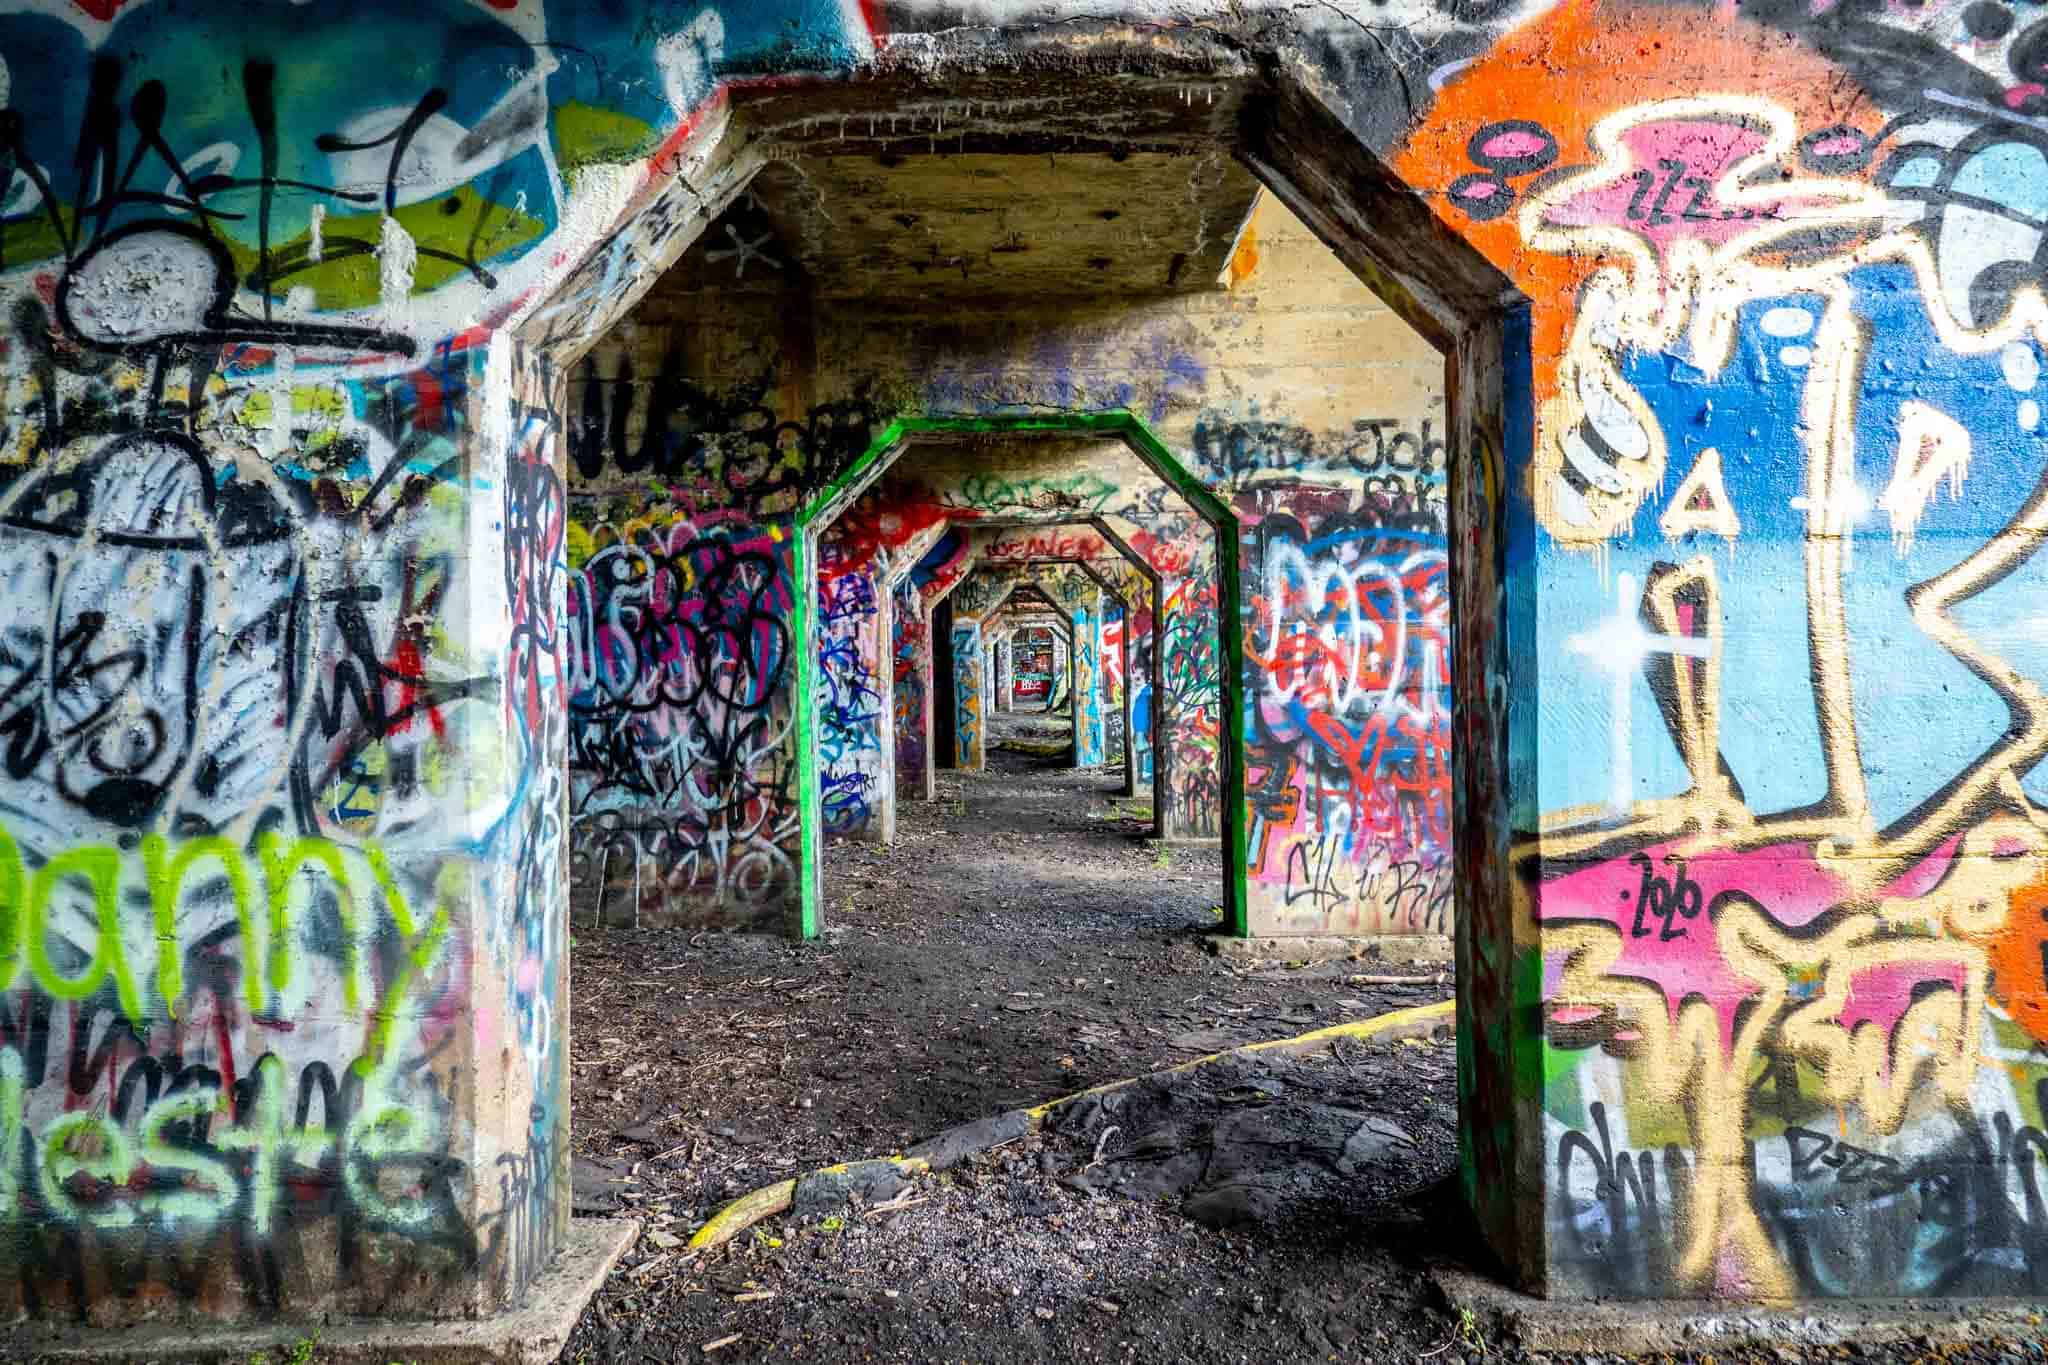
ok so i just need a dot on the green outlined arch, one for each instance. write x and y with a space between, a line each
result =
1121 425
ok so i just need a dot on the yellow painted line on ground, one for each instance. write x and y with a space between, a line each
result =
749 1209
1394 1024
742 1213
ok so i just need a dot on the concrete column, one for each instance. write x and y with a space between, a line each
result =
911 692
881 826
1125 695
928 789
1141 691
969 732
854 729
1084 616
312 937
1187 693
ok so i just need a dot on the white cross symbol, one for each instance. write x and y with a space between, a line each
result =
1621 645
743 251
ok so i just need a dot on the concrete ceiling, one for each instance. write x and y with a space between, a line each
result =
1016 225
1012 186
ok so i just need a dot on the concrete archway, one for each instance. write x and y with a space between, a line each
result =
872 464
1041 575
465 295
1389 238
1147 591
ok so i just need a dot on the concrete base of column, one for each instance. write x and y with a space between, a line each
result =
533 1334
1404 950
1678 1326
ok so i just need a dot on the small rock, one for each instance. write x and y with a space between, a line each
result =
597 1186
667 1241
955 1145
1044 1314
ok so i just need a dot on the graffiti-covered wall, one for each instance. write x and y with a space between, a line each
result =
280 828
1784 506
316 579
283 856
734 392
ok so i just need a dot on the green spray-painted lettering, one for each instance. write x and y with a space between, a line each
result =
99 866
87 1144
166 873
171 871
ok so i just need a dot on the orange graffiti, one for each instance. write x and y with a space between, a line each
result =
1569 69
2019 959
1245 259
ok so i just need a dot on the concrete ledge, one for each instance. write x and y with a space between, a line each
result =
1405 950
1643 1327
532 1334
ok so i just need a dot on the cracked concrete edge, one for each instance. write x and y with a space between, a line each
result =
736 1217
533 1333
1679 1326
742 1213
1406 950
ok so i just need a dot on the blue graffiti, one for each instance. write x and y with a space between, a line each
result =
1089 741
1920 714
849 703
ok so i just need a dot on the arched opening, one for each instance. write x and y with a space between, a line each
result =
1131 657
321 362
966 640
1307 508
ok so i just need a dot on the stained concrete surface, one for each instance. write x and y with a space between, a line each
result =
1970 1329
532 1333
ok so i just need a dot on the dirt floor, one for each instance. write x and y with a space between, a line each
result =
1022 940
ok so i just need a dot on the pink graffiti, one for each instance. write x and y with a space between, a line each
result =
1670 941
1679 954
1668 191
1882 994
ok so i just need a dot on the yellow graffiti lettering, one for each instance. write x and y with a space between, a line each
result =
280 866
166 877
